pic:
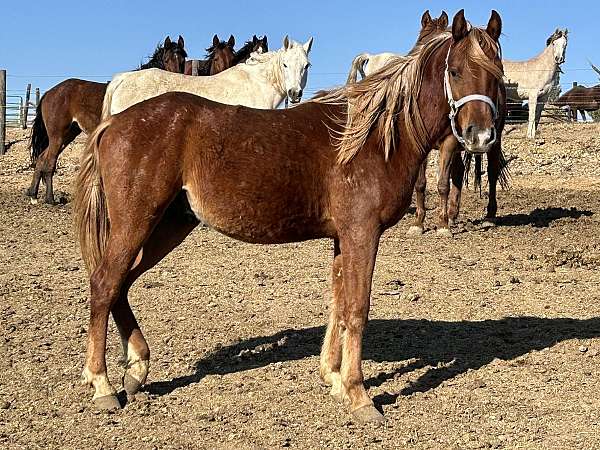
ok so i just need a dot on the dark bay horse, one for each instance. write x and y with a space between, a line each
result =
341 167
580 98
73 106
220 56
256 44
452 171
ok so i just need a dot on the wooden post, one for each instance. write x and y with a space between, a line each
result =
21 110
37 97
2 111
574 83
195 67
26 106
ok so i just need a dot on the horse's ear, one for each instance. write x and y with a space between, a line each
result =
286 42
494 27
264 39
425 19
254 40
216 40
460 28
167 42
566 32
180 42
443 20
307 45
231 41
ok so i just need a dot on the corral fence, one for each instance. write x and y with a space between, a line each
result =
16 109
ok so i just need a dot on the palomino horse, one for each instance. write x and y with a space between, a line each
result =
263 82
536 77
73 106
220 56
366 63
580 98
340 167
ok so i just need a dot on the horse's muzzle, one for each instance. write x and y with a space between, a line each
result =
478 140
295 95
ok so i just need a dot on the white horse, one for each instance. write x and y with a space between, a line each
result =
262 82
366 64
536 77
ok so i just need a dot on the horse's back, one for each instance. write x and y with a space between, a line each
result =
271 166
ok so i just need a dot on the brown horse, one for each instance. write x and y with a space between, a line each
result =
220 56
256 44
340 167
451 173
73 106
580 98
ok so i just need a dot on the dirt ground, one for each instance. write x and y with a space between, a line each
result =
487 340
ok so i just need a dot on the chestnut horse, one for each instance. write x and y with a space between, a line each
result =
73 106
220 56
341 167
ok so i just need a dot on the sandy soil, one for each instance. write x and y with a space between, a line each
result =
487 340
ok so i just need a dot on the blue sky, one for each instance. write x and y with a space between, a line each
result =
96 39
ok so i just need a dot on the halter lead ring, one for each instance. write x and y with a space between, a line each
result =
456 104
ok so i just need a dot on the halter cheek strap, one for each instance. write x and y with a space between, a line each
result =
456 104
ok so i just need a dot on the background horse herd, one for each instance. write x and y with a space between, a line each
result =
168 151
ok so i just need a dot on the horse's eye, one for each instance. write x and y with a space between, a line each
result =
453 73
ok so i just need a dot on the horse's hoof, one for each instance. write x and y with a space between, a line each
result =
107 403
444 232
130 384
414 230
368 414
33 201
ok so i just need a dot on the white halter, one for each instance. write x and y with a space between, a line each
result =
456 104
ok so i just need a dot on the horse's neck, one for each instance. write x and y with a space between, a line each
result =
535 73
266 79
242 54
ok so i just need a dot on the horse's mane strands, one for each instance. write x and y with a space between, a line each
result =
379 99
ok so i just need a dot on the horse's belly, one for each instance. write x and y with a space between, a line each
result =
255 219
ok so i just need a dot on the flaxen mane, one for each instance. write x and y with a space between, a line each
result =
378 100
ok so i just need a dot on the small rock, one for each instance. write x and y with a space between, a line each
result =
4 404
583 349
412 297
514 280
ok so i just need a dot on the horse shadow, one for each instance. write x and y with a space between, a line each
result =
541 217
446 349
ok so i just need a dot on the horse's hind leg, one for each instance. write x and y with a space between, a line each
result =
445 163
51 157
331 352
177 222
417 227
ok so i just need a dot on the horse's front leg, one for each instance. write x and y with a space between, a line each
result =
494 168
359 249
447 150
533 105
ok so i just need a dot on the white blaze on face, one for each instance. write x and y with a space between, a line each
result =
294 67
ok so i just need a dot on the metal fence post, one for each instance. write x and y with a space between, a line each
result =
26 106
2 111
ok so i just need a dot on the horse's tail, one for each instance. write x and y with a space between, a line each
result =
357 66
91 212
39 135
108 97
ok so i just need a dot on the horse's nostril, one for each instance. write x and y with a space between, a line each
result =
469 129
300 93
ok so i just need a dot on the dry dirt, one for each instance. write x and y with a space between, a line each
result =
487 340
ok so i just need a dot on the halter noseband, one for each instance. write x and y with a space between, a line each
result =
456 104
